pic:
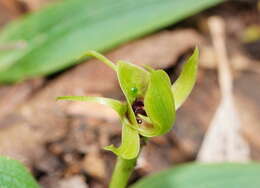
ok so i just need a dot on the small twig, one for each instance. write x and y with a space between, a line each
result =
223 141
217 29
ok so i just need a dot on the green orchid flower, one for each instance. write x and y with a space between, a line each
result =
151 100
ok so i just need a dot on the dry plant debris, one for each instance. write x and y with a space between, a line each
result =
223 140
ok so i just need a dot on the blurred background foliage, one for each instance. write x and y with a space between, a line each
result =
55 37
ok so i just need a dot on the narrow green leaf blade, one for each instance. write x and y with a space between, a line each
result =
182 87
159 105
53 38
14 175
116 105
223 175
130 145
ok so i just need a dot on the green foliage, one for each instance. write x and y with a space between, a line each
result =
159 105
122 172
133 81
186 81
130 145
150 108
53 38
223 175
14 175
116 105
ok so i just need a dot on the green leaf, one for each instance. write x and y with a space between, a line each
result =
182 87
223 175
53 38
116 105
133 81
14 175
130 145
159 105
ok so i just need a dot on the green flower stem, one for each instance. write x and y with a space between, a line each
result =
122 172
